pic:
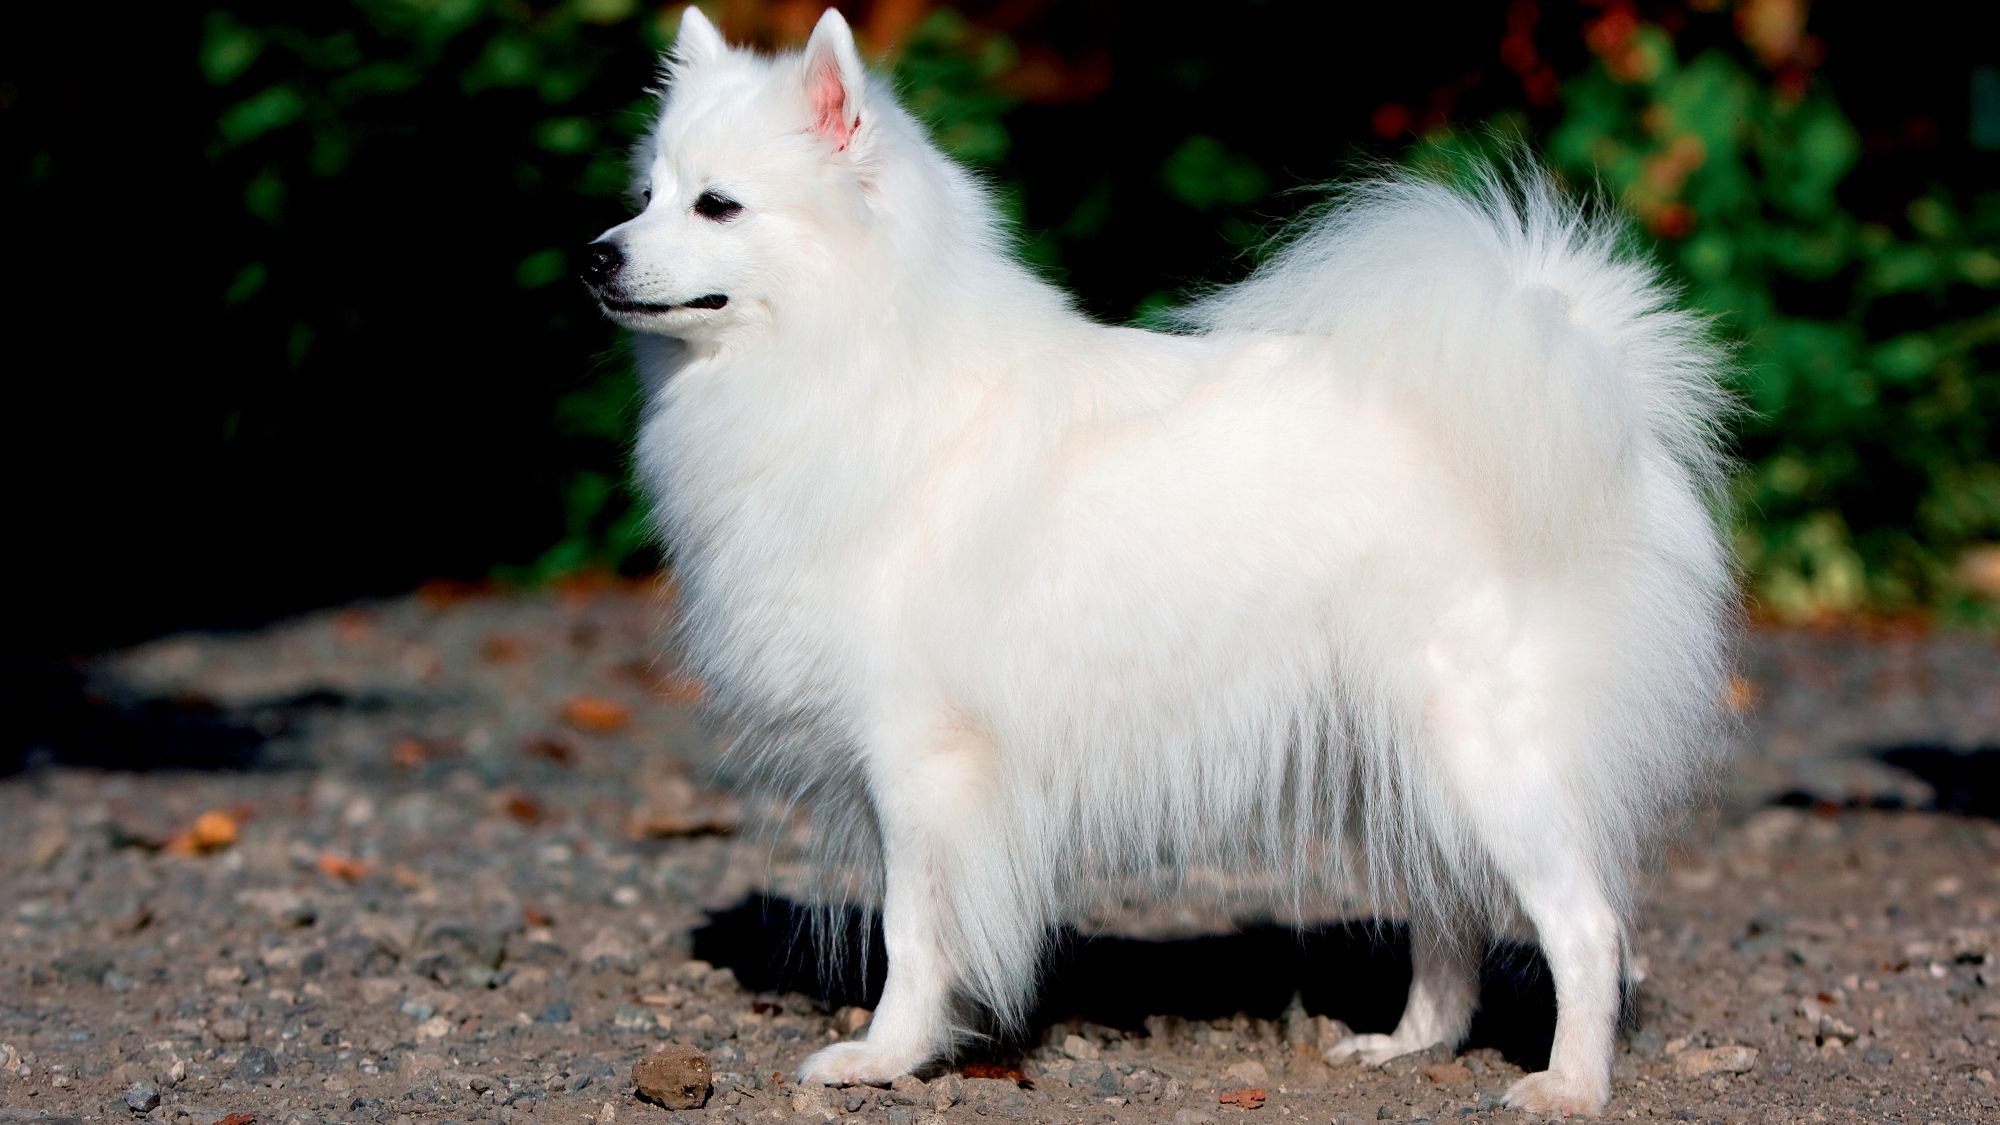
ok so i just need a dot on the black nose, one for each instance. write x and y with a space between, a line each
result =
601 262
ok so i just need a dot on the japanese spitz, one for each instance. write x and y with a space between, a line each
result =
1394 568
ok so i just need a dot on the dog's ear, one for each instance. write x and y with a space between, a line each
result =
697 38
834 80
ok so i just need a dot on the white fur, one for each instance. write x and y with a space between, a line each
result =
1395 568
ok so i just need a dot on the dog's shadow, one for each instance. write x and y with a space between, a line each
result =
1356 973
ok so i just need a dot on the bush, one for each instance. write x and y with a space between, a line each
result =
1869 342
1868 334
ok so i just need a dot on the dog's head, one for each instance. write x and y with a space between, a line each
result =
752 185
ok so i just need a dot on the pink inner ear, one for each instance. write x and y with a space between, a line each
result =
829 104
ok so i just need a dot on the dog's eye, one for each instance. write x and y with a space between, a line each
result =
646 197
718 207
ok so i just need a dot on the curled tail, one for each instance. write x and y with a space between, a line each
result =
1544 351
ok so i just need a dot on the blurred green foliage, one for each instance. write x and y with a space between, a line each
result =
1868 345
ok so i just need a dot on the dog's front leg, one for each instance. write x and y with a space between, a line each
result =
929 807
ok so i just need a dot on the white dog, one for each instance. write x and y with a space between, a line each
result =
1396 568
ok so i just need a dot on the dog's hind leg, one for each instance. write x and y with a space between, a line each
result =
1579 933
1515 771
1444 987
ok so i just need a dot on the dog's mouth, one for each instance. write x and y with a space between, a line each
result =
709 301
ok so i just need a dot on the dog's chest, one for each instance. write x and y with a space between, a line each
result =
780 618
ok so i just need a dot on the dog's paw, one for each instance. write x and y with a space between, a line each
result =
860 1063
1371 1050
1557 1094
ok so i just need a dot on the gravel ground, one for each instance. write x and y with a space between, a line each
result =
448 858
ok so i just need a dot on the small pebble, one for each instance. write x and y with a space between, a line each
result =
852 1019
142 1097
1733 1059
946 1092
256 1063
908 1090
675 1077
1249 1072
1448 1074
1077 1047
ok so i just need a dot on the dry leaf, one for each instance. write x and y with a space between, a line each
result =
670 805
596 714
680 689
553 749
523 809
995 1070
352 626
502 648
582 585
1250 1097
441 593
345 868
1979 569
212 831
665 588
238 1119
674 686
1742 694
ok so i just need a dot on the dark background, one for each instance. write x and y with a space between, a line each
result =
292 318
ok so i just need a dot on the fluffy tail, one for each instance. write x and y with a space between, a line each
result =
1546 353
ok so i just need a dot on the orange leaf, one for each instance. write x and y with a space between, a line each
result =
408 753
1979 568
212 831
995 1070
1250 1097
596 714
665 589
580 587
353 626
554 749
523 809
1742 694
500 648
345 868
442 593
239 1119
681 689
